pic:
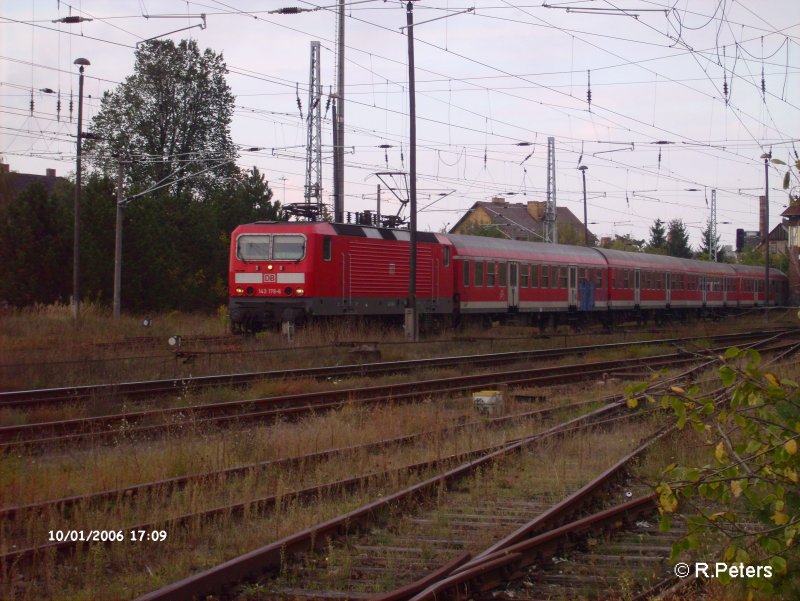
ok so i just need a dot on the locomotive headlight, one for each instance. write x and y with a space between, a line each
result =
239 290
299 292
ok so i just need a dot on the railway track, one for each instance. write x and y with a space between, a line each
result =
28 399
436 536
142 424
22 516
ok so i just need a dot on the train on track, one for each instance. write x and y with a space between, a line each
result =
296 271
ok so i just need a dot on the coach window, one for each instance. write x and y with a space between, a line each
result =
289 247
545 276
479 273
466 274
523 275
534 276
502 273
253 247
490 274
562 277
327 248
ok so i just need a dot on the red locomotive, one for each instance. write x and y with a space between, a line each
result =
293 271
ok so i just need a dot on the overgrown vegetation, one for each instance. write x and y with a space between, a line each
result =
743 503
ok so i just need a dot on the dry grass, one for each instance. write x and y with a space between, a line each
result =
43 347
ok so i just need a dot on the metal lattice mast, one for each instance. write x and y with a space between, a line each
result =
313 189
713 227
550 222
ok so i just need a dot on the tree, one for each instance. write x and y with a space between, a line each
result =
171 118
627 243
657 244
746 497
572 234
707 245
35 239
678 240
488 230
248 199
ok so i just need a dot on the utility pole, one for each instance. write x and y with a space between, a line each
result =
583 169
76 243
118 243
713 226
550 219
766 156
412 318
338 124
378 211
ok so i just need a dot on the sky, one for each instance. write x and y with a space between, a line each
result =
677 106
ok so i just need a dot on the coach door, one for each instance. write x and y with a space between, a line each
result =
668 288
513 285
573 287
637 280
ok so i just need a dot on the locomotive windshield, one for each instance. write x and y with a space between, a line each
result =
289 248
253 247
266 247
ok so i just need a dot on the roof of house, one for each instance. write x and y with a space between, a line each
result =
516 220
792 211
17 182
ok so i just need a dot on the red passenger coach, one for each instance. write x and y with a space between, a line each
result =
290 271
512 276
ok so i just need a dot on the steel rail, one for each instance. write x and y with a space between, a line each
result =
45 396
64 504
499 567
476 568
23 556
556 516
124 425
270 556
114 426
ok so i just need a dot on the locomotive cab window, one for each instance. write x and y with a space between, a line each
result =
466 274
253 247
447 256
289 247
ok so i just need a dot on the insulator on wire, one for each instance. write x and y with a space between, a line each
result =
402 158
71 106
725 77
589 89
328 102
31 102
659 158
299 104
58 107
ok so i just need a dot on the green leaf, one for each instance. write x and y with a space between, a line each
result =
778 565
727 375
